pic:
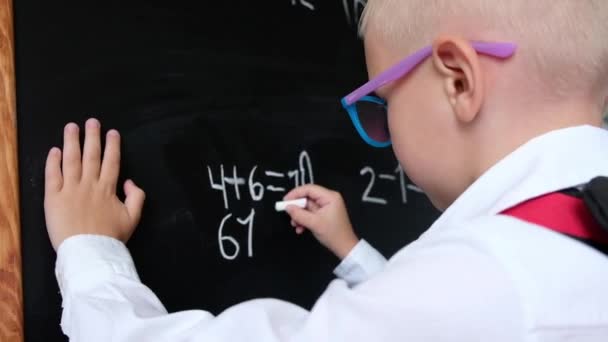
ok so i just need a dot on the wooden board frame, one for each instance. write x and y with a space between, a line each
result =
11 293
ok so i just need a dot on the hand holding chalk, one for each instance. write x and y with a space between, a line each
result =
323 212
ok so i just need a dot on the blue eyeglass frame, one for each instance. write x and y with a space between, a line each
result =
354 117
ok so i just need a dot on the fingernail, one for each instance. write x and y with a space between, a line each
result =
55 150
93 123
71 127
113 133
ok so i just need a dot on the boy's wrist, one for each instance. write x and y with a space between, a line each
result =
343 249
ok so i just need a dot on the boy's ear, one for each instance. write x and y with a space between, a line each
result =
458 64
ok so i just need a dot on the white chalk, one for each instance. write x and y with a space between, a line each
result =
281 205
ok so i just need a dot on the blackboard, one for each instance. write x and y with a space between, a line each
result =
223 106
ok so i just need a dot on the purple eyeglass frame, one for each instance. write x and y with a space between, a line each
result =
494 49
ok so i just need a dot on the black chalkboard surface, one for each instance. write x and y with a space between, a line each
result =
223 106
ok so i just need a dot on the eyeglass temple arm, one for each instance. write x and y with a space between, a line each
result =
499 50
495 49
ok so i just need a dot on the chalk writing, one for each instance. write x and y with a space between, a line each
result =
353 10
390 177
258 183
304 3
222 238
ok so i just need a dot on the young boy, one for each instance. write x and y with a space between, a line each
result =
503 107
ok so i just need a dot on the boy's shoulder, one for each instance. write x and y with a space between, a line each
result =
560 280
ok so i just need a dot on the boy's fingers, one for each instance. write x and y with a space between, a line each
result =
91 154
110 167
301 217
53 180
312 191
71 154
134 201
312 206
299 229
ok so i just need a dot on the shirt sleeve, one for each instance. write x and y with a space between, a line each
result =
360 264
104 300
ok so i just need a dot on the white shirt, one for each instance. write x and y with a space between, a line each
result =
473 276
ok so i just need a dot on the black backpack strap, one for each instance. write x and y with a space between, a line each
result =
595 196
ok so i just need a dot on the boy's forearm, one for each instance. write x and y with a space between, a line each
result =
84 261
104 299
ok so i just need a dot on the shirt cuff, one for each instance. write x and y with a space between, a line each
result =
360 264
84 261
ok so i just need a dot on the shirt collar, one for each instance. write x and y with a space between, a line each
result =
553 161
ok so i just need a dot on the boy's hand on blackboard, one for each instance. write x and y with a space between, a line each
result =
80 192
325 216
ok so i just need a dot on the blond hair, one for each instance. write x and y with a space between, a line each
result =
566 40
